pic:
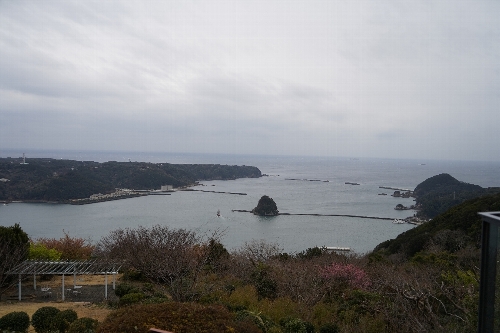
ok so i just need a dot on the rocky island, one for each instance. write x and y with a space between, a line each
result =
266 207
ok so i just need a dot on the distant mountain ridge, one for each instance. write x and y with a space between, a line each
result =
46 179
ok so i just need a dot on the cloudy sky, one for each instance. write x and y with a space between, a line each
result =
409 79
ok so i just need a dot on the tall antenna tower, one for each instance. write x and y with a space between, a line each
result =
24 160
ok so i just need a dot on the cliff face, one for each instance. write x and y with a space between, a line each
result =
60 180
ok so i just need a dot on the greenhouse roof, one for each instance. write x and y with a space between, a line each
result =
94 266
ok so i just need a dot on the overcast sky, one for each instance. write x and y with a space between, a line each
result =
408 79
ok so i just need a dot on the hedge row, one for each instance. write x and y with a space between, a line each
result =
47 319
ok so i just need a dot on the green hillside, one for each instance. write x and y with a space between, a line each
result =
456 228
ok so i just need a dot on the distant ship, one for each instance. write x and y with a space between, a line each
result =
218 213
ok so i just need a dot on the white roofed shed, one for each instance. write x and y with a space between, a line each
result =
67 267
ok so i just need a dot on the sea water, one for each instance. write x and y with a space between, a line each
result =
298 185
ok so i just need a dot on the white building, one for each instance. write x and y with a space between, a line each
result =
167 187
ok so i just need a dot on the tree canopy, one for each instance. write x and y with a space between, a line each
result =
14 247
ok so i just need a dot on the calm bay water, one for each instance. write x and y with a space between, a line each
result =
197 210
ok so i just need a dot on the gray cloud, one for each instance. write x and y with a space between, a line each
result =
354 78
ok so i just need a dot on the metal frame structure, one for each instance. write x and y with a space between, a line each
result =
73 267
489 259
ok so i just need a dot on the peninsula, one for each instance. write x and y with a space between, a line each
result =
439 193
47 179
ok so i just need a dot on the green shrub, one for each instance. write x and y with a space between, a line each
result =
40 252
131 298
261 321
63 320
147 287
311 253
265 286
296 325
329 328
175 317
15 322
83 325
124 289
156 300
133 275
43 319
236 307
159 294
216 255
309 327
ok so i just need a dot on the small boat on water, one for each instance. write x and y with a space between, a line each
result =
398 221
218 213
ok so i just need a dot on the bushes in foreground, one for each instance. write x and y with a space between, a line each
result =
176 317
15 322
64 319
43 318
83 325
49 319
131 294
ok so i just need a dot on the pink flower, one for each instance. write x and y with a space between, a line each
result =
354 276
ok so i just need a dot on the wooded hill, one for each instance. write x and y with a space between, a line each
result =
453 230
46 179
439 193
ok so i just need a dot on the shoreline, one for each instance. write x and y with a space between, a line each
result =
108 197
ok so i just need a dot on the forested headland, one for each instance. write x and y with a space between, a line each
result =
46 179
439 193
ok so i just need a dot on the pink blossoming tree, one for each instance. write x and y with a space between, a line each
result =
345 275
